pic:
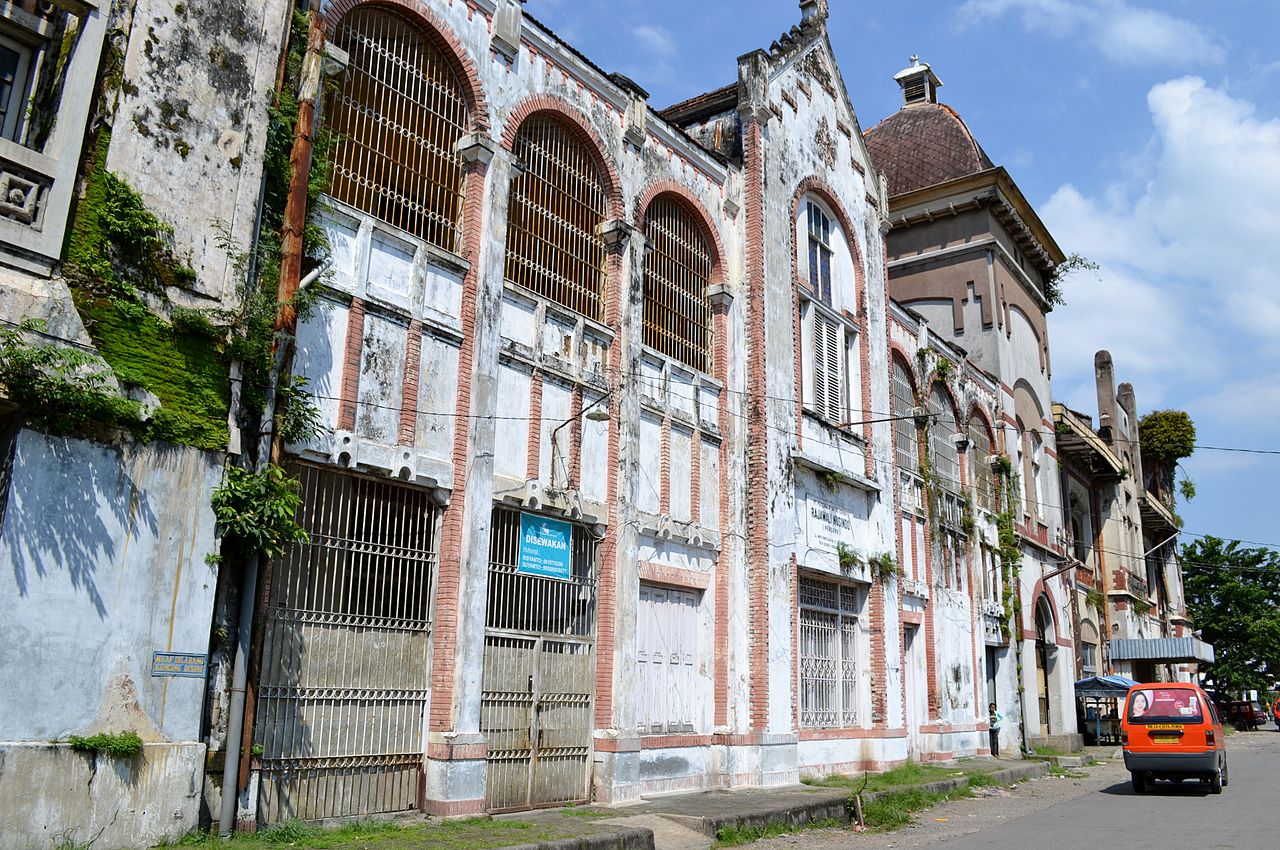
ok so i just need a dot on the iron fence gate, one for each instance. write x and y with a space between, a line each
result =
344 682
539 675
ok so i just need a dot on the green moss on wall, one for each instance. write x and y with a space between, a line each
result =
116 250
186 372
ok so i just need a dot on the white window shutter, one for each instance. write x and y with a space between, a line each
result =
828 365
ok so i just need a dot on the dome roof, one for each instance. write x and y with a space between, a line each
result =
924 144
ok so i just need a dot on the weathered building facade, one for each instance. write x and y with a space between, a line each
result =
969 255
125 149
651 451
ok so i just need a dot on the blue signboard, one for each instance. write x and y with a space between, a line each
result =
186 665
546 547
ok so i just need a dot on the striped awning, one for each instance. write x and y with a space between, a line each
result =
1161 649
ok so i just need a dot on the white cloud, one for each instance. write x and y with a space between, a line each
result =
656 39
1186 299
1124 33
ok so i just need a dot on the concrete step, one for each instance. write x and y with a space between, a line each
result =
667 833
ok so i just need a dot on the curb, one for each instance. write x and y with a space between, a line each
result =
623 838
834 807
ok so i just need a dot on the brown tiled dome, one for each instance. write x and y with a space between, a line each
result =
922 145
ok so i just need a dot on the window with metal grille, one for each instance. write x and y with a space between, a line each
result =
557 204
980 449
827 349
819 253
677 268
669 695
904 426
527 603
828 653
397 118
944 457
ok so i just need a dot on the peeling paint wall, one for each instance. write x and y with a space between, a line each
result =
103 562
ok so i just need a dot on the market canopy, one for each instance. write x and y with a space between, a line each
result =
1104 686
1162 650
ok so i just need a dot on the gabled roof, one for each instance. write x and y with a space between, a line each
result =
922 145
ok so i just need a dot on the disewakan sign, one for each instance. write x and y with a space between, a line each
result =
546 548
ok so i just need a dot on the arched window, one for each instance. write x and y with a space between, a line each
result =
677 269
557 205
1035 486
944 457
904 426
397 119
979 470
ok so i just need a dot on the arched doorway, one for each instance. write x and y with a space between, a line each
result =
1045 645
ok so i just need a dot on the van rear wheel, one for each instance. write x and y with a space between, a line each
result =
1224 772
1139 782
1215 781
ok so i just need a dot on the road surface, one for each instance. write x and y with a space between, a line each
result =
1097 812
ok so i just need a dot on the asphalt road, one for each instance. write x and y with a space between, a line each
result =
1094 810
1169 816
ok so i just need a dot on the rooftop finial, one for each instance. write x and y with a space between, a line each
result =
919 83
811 9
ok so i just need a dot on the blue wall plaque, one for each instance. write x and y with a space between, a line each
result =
546 547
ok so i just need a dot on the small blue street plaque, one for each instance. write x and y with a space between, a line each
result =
546 548
183 664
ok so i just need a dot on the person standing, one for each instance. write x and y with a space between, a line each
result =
993 729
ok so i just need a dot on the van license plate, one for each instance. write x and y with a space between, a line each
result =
1164 739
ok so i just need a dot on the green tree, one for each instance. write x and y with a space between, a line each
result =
1233 597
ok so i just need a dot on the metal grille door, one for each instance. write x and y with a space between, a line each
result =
539 675
344 684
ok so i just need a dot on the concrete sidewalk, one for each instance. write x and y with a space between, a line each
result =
692 821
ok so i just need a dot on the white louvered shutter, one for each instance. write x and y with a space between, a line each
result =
828 372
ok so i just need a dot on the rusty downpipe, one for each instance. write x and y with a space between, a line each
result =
295 218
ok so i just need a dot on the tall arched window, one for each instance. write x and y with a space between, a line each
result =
397 119
557 205
944 457
980 473
904 426
677 269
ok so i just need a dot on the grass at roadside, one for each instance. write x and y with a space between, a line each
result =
894 809
733 836
471 834
905 775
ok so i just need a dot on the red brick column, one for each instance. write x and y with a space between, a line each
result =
409 391
533 457
444 632
351 367
757 433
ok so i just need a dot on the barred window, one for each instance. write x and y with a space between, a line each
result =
943 454
828 653
558 202
904 426
979 470
677 269
397 119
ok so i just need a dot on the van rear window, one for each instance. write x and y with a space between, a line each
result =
1165 705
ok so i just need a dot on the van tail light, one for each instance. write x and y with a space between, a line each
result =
1124 737
1210 737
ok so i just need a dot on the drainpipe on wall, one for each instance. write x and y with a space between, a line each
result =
295 215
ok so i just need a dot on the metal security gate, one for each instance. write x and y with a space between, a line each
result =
539 675
344 683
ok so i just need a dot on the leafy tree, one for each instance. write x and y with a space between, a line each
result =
1233 596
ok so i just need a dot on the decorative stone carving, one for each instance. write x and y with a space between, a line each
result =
825 142
19 197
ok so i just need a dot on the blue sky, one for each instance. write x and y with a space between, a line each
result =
1147 135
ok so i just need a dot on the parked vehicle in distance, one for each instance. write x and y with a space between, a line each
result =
1172 731
1243 714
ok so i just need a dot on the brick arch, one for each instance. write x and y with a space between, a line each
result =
579 126
817 186
986 422
709 232
440 34
1042 591
951 397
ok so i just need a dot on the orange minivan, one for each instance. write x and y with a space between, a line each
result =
1170 730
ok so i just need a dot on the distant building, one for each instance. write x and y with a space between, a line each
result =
969 255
